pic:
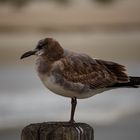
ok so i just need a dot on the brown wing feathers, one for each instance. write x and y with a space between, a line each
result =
94 73
118 70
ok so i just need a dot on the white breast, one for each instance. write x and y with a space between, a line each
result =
49 82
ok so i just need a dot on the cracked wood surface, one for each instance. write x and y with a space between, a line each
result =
57 131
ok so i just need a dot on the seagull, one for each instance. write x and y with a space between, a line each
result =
75 75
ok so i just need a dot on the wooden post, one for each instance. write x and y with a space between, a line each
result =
58 131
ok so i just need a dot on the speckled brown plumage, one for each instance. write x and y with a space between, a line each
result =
77 72
76 75
92 72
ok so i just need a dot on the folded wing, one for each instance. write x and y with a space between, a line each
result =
92 72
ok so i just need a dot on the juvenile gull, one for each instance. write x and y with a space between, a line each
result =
77 75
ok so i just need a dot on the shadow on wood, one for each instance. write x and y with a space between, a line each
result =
57 131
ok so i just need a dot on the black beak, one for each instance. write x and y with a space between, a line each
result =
27 54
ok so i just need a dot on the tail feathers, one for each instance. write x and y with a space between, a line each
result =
133 82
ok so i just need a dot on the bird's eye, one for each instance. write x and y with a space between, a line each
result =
39 46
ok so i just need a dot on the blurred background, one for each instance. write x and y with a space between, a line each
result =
105 29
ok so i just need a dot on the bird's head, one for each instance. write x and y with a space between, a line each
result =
48 48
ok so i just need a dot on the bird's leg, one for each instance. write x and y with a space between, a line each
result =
73 106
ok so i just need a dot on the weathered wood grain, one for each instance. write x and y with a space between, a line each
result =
58 131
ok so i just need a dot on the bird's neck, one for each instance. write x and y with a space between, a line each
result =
43 65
